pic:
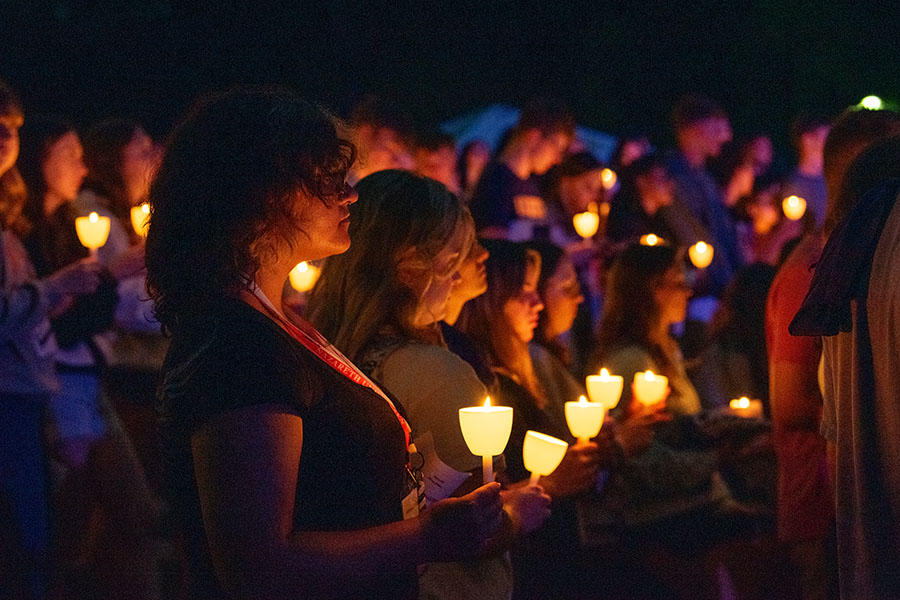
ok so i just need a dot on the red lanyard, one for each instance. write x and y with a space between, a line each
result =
316 343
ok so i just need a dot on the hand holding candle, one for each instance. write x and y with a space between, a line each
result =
585 418
92 231
649 388
486 430
542 454
604 388
140 216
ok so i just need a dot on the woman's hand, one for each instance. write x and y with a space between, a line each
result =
527 506
635 434
79 278
638 408
128 263
458 528
576 473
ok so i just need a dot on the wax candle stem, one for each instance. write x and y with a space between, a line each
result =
487 467
535 477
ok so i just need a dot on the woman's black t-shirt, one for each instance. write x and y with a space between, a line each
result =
352 469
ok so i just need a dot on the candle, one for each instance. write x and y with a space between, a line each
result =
604 388
304 276
542 454
747 408
92 231
486 430
649 388
608 177
701 254
794 207
139 216
651 239
586 223
585 418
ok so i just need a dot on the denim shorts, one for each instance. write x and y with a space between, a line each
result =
75 409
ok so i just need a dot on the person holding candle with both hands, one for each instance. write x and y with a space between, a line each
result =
502 322
415 235
291 471
673 493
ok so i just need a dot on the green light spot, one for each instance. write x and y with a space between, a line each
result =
872 103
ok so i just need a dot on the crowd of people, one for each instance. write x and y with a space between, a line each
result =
177 421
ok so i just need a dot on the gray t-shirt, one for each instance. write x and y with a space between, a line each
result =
865 428
432 384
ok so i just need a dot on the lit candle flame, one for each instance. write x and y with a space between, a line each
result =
650 240
701 254
582 400
93 217
608 176
649 376
743 402
604 373
487 402
303 267
794 207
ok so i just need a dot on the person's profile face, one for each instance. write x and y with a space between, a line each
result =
63 167
550 151
562 296
522 310
9 141
325 225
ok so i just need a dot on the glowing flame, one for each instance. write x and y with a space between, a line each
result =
608 176
650 240
604 373
487 402
582 400
743 402
93 217
649 376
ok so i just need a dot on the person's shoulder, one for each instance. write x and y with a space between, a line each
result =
429 363
629 357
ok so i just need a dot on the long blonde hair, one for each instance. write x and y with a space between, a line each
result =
400 220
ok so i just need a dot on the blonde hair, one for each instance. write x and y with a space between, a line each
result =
399 225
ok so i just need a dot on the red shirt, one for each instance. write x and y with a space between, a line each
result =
805 506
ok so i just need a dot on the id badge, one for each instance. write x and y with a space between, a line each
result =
414 500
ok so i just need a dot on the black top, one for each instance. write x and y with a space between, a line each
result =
526 415
53 244
353 465
493 201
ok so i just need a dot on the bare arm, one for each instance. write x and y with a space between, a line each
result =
246 468
794 390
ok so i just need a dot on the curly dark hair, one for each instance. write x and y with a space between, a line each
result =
228 187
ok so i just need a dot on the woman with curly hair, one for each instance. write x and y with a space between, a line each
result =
290 469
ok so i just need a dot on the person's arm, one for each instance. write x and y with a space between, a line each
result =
23 306
245 462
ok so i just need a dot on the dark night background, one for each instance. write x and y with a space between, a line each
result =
617 64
